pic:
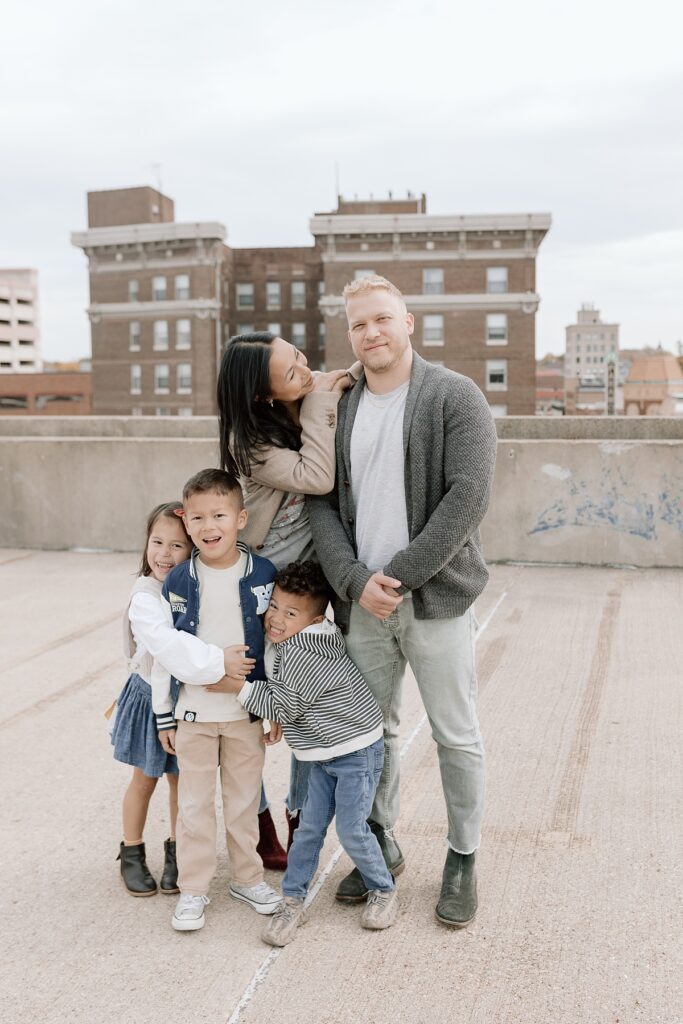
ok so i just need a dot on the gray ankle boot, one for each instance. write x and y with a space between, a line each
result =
457 904
352 888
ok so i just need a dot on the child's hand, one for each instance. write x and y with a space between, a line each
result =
167 740
226 685
274 736
236 664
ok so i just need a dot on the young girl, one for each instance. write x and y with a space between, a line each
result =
134 735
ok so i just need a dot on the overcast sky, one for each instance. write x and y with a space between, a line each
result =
494 106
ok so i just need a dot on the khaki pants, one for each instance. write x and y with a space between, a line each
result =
238 747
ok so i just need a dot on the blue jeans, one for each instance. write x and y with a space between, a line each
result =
344 786
298 786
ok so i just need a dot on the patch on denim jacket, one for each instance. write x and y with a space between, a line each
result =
262 595
178 604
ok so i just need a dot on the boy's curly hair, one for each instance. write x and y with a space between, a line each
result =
306 579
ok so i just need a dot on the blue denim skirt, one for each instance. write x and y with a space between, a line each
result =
134 735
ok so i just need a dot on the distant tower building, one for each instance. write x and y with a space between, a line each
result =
20 350
588 343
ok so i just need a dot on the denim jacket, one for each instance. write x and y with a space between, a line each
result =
181 592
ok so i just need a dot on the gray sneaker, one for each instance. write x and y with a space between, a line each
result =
188 915
380 910
285 921
260 898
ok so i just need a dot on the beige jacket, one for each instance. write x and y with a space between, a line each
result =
283 471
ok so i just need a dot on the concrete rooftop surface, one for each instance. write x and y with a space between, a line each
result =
580 875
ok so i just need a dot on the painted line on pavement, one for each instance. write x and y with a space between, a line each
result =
263 970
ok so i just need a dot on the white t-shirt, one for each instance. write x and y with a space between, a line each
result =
220 623
377 477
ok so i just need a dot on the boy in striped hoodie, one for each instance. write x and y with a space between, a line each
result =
329 718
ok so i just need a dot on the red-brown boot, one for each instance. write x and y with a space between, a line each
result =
269 849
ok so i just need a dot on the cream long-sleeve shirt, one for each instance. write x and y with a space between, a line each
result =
154 645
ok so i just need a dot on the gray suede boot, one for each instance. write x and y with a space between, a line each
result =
457 904
352 888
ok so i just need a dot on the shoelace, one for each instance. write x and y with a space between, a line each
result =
189 902
262 888
378 897
285 911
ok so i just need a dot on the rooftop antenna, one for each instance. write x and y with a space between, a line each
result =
337 186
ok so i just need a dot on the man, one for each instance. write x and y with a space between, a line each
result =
398 539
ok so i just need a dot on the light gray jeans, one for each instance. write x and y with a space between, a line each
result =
441 654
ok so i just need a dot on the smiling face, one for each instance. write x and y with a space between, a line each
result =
290 378
288 614
379 329
168 545
213 521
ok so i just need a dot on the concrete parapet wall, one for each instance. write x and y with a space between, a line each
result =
577 490
588 502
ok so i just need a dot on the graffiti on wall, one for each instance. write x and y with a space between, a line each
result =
614 501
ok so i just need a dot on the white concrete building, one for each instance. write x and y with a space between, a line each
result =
20 350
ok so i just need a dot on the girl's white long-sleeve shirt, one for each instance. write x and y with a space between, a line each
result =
151 644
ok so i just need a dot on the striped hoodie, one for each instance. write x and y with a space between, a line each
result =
317 694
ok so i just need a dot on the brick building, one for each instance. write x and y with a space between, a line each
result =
19 322
165 296
45 394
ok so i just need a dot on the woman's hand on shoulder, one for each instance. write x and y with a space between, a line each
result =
335 381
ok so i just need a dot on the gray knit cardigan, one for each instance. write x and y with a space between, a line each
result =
449 439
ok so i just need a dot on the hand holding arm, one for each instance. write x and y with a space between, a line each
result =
380 596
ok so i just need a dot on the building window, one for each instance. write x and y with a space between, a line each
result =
135 379
358 275
321 288
159 288
182 286
496 374
432 281
184 378
298 294
432 329
162 383
496 279
499 410
275 329
134 336
185 410
133 291
183 337
272 294
245 296
136 410
321 337
299 335
496 329
163 410
245 328
160 335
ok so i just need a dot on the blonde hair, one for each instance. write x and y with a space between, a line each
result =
373 282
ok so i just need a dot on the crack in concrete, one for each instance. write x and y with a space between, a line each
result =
571 785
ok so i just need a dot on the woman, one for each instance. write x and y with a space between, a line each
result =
277 425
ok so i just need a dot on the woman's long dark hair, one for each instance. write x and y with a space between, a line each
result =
246 419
